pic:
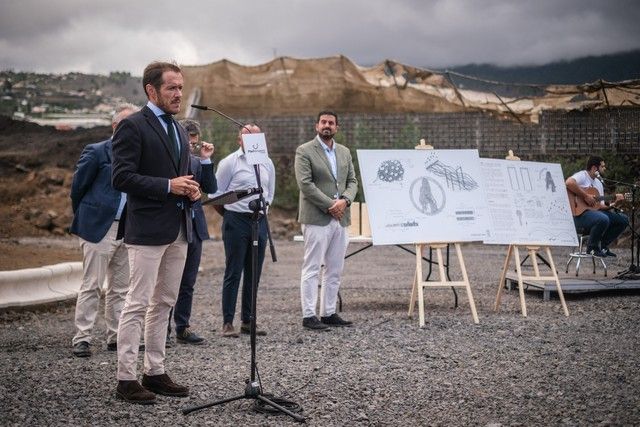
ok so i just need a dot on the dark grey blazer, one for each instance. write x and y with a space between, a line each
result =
142 166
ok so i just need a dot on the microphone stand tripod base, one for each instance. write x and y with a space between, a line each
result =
253 388
251 391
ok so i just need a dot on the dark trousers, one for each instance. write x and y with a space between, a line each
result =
603 226
236 235
182 309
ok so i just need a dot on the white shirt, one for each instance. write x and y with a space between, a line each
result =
583 180
234 173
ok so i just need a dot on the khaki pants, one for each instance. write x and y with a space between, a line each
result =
155 281
105 259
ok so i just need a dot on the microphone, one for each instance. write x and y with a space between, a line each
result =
204 107
599 178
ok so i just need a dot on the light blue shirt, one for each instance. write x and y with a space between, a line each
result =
331 156
123 201
158 112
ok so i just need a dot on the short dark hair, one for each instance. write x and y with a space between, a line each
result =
327 113
153 74
191 126
593 161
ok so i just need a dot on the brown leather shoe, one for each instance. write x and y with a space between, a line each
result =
133 392
162 384
228 331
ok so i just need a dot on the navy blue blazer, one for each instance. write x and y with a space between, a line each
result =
143 163
208 184
93 200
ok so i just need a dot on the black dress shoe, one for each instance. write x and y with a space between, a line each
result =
113 346
188 337
245 328
597 252
313 323
81 349
335 320
162 384
133 392
607 252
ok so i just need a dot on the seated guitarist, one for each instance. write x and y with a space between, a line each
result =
603 223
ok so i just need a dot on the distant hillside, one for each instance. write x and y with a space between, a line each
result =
22 91
613 68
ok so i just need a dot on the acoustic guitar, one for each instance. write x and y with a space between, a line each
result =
578 205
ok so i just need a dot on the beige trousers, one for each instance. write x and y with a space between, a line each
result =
105 259
155 281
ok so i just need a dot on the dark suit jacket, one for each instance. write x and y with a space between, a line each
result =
94 201
207 178
142 166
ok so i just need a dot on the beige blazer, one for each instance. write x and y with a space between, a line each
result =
317 184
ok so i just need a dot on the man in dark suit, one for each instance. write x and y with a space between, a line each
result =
97 208
203 173
151 164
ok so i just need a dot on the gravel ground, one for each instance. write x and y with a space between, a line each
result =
508 370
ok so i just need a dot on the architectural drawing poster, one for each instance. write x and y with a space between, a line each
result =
423 196
527 203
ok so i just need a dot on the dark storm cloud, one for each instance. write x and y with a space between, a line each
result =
74 35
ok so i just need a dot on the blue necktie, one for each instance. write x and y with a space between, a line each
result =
168 119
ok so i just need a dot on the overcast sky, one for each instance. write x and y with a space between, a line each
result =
124 35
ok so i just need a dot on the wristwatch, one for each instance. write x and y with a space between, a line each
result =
346 199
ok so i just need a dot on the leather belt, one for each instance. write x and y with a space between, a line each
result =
245 214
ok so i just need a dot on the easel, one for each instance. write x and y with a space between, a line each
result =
444 282
533 254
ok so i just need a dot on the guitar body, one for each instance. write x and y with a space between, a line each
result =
578 205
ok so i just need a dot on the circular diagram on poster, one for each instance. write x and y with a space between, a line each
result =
391 171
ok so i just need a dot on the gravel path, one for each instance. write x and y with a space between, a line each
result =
508 370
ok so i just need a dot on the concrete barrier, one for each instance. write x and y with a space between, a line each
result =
42 285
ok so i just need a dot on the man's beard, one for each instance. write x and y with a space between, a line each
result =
326 136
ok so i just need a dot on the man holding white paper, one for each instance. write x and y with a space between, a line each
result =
236 172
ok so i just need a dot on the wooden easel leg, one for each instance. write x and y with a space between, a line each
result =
472 303
503 276
534 260
441 272
555 275
414 292
419 284
523 304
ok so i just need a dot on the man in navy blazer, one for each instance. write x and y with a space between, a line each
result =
151 164
203 173
97 208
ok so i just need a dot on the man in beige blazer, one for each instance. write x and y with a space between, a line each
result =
327 183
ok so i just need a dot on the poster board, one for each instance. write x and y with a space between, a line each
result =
423 196
527 203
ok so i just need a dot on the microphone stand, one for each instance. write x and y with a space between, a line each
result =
253 385
634 269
